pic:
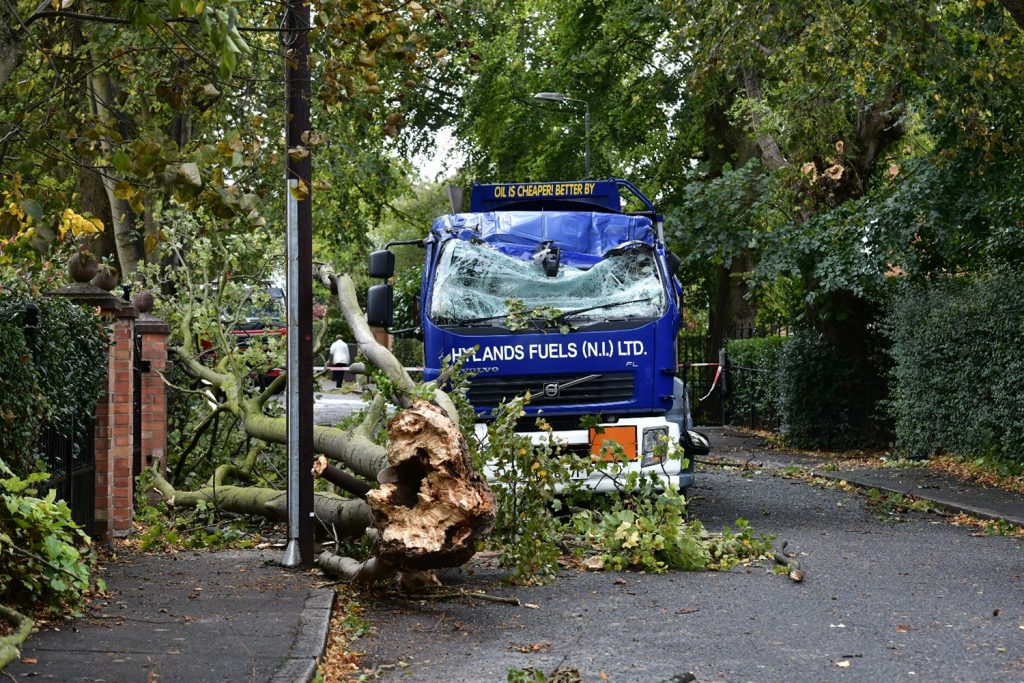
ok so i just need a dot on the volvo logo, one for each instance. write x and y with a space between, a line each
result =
553 389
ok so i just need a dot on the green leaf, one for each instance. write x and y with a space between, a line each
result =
33 209
121 161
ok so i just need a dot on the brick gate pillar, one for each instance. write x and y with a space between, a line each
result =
154 333
113 429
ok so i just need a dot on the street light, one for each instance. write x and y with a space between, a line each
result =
562 97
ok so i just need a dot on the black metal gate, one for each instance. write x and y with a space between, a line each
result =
706 396
71 461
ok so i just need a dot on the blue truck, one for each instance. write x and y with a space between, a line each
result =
558 290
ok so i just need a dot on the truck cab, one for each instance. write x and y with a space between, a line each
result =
553 289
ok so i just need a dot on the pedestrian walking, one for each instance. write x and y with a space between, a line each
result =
339 360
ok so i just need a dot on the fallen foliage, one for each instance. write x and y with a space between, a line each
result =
978 472
987 527
341 662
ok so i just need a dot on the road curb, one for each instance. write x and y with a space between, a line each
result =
310 639
945 491
938 497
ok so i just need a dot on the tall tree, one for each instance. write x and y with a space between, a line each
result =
179 102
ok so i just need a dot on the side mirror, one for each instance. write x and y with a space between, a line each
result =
380 306
694 443
673 262
382 264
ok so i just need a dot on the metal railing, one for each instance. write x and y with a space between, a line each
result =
69 454
70 458
750 398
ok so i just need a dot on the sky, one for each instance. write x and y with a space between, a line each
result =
442 161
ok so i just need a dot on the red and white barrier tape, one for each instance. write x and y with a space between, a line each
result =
714 382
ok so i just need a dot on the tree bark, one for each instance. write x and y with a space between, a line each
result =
10 44
728 144
11 31
348 517
123 217
771 154
22 629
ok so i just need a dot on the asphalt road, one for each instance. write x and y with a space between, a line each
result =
883 600
329 409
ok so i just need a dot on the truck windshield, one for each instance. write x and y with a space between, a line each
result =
473 284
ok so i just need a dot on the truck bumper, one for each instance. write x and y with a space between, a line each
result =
630 434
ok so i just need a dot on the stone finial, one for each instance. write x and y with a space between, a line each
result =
106 278
143 301
82 266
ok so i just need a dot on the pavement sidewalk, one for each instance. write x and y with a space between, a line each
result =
190 616
731 446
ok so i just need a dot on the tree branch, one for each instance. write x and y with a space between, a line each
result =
9 644
350 484
372 570
104 19
349 517
1016 10
378 355
771 154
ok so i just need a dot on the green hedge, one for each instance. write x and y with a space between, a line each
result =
830 399
55 384
958 347
813 391
754 380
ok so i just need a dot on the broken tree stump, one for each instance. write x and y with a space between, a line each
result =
432 506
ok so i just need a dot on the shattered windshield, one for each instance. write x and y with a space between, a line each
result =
474 283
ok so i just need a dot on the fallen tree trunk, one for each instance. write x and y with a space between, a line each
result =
431 506
348 517
10 643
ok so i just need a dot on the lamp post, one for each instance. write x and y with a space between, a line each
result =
562 97
299 243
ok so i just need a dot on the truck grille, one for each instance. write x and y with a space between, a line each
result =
609 387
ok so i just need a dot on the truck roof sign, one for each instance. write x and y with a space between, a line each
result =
591 195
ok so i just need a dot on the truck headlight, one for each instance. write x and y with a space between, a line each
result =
655 446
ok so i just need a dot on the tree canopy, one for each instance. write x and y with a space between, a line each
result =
801 150
130 113
807 146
